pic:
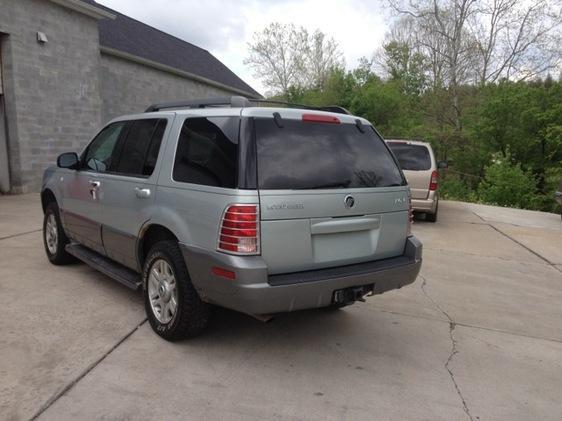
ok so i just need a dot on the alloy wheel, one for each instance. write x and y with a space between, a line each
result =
162 291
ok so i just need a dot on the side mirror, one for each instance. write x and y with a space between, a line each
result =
68 160
442 165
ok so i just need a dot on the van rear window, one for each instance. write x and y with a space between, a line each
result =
411 157
305 155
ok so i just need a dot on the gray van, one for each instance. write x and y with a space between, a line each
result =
218 202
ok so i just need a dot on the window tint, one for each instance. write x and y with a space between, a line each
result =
154 148
141 135
303 155
99 154
207 151
411 157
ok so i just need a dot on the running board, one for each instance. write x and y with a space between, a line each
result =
120 273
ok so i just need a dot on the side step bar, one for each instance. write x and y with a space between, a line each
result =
120 273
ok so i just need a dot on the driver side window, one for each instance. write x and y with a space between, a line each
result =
100 152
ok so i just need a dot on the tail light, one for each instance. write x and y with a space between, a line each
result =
410 216
239 232
320 118
433 181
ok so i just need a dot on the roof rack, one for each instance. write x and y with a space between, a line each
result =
233 101
238 102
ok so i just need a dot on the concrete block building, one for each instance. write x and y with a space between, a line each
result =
68 66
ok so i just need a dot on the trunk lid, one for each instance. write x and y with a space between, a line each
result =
330 193
419 183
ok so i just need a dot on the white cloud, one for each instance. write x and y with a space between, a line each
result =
225 27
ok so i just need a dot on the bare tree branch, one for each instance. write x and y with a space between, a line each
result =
284 56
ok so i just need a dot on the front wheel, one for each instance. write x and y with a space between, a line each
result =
54 238
172 304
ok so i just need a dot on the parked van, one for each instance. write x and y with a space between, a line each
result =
420 168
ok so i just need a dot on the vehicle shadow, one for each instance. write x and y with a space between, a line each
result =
294 328
420 217
305 328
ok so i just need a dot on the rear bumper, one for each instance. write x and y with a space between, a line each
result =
558 196
254 292
426 205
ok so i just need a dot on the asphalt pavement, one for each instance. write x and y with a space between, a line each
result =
478 336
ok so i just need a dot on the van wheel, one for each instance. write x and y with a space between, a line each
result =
54 238
172 304
432 217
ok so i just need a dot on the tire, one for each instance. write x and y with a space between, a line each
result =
54 237
432 217
172 304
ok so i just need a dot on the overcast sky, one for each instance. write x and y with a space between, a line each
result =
224 27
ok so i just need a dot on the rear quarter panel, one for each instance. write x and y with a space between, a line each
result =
192 212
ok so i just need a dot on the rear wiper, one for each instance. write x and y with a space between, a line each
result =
278 120
359 125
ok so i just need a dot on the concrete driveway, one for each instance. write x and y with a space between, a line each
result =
477 337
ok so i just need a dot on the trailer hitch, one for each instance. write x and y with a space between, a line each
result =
352 294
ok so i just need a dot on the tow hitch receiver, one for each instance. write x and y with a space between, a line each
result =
352 294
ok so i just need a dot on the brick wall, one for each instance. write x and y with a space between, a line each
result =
52 90
59 94
128 87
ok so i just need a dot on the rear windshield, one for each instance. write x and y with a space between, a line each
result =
307 155
411 157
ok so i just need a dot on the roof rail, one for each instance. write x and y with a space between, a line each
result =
328 108
238 102
232 101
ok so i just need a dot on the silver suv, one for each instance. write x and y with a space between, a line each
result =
217 202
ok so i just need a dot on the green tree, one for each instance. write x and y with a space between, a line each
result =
405 66
507 184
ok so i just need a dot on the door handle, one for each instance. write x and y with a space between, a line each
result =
94 186
142 193
345 225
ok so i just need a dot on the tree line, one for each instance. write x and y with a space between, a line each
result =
473 77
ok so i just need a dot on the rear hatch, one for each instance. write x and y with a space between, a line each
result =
331 193
417 163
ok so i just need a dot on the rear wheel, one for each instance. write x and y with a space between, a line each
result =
54 238
432 217
172 304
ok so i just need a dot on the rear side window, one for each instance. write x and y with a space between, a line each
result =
207 151
154 148
411 157
141 146
306 155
